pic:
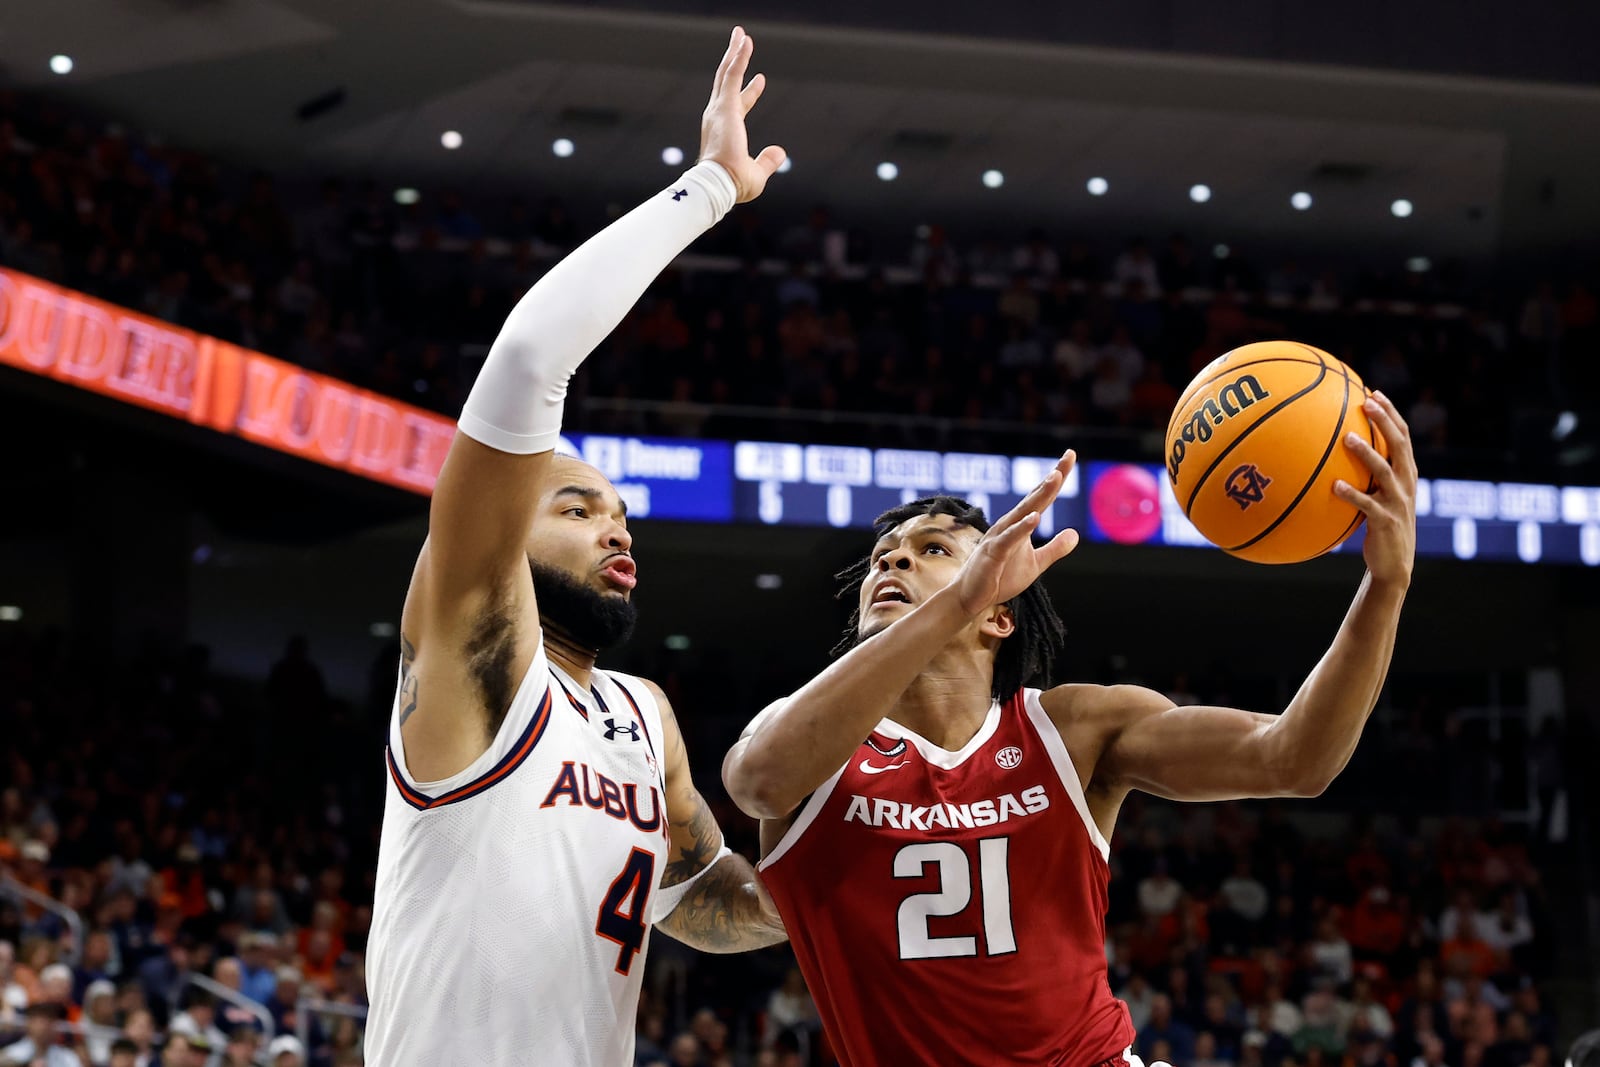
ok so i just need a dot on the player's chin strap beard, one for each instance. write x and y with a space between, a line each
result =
578 619
559 642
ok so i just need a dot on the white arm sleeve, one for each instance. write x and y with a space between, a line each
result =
515 405
668 897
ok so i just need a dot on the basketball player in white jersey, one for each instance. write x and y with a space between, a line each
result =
540 815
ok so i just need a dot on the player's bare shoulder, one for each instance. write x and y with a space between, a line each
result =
1091 717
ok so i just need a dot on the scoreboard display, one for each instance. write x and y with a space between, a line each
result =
773 483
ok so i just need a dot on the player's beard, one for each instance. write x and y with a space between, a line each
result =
591 618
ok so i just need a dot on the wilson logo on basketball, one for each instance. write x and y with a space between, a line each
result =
1244 486
1231 399
1008 757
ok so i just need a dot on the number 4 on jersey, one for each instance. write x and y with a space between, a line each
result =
631 889
953 896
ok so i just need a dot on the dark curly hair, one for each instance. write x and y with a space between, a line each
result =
1031 650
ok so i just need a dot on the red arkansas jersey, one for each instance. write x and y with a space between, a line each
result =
948 908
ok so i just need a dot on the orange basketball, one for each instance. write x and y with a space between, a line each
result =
1255 444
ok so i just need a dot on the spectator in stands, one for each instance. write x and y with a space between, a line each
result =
1109 395
129 872
790 1008
1139 998
199 1016
1329 955
1323 1028
1515 1047
100 1020
286 1051
1136 265
95 964
1431 1053
1205 1052
1364 1012
13 996
1464 906
55 987
1163 1028
124 1053
40 1045
1467 952
1035 257
1160 892
1224 1030
239 1047
685 1051
259 980
185 1050
140 1027
164 974
1506 930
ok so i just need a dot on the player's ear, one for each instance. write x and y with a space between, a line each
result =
999 622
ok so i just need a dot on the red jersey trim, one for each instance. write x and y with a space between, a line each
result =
1045 727
808 815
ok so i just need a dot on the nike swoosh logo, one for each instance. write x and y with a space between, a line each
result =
868 768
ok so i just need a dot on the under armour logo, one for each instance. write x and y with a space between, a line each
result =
679 194
612 730
1245 484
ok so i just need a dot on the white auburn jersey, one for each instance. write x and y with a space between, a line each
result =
512 911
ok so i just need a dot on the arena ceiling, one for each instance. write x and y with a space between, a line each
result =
1490 165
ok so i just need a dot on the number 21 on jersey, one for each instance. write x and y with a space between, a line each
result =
954 895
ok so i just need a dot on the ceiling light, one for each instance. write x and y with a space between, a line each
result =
451 139
1199 193
1419 264
993 179
1221 251
769 581
382 629
1098 186
61 64
888 172
563 147
1401 209
10 613
1300 201
672 155
406 196
677 642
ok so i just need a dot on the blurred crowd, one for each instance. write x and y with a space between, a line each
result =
996 340
217 839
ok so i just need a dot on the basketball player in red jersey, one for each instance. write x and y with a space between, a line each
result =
935 834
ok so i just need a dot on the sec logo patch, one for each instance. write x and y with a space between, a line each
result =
1008 757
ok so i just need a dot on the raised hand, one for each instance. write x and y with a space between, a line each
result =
722 134
1006 561
1391 507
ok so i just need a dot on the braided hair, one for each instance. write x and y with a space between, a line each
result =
1031 650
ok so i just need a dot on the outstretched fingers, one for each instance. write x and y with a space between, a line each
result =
1057 548
720 79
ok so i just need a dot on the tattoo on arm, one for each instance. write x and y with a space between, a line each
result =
689 859
727 910
408 680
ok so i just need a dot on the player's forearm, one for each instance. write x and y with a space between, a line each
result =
1318 732
515 405
726 910
797 748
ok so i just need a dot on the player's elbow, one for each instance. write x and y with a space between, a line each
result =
756 791
1305 783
